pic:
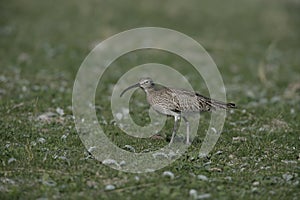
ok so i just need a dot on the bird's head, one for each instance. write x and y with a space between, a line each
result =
144 83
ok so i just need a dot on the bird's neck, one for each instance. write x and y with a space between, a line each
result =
149 90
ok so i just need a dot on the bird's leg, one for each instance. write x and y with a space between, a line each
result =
187 130
176 119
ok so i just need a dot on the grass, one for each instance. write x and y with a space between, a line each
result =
255 44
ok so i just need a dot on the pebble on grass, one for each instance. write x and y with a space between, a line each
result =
137 178
255 183
110 187
193 193
64 136
41 140
130 148
289 161
202 177
60 111
169 174
122 163
159 155
11 160
91 149
287 177
46 117
119 116
204 196
110 162
239 139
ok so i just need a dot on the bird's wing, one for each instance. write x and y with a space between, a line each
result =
190 101
164 99
177 100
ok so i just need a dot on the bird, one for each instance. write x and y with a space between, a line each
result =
177 102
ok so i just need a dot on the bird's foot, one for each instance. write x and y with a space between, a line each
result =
187 142
171 141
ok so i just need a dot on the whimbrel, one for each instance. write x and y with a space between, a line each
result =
176 102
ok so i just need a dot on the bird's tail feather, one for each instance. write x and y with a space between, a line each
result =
221 105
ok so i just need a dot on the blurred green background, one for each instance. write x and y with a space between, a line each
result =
255 44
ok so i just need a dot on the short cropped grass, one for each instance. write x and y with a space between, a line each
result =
256 46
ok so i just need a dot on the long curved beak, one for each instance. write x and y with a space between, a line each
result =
130 87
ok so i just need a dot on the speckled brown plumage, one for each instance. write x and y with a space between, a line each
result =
176 102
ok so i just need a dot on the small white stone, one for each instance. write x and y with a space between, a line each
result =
119 116
63 137
169 174
33 143
207 163
275 99
193 193
272 192
218 152
62 158
110 187
122 163
289 161
24 88
60 111
130 148
263 101
11 160
7 180
239 139
292 111
214 130
256 183
287 177
159 155
204 196
250 93
41 140
91 149
46 116
3 78
202 155
202 177
110 162
149 170
91 105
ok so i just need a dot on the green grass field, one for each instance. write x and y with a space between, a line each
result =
256 46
